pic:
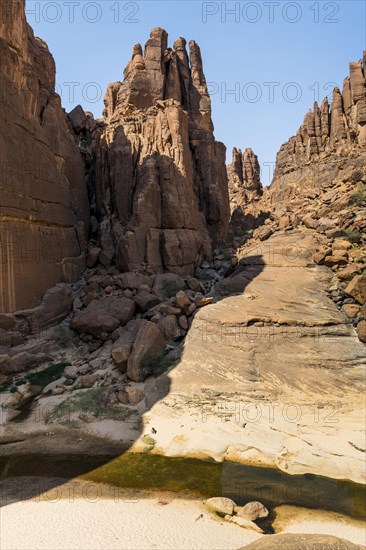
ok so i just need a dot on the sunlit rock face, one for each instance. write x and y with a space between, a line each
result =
160 176
43 202
332 138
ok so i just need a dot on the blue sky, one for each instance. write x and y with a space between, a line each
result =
275 56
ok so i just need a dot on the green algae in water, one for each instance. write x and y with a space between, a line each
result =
241 483
204 478
151 471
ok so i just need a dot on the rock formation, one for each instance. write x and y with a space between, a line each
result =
159 177
244 174
43 207
320 184
245 188
331 138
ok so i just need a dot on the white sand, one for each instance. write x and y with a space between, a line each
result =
128 521
80 515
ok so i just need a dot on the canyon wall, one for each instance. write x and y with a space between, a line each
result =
44 209
331 139
157 175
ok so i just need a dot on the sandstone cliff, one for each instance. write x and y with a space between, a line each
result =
319 184
245 189
332 138
43 202
158 177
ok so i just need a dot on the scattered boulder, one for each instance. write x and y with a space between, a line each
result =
253 510
183 322
87 381
6 365
133 280
263 233
13 401
92 257
169 327
71 372
349 271
195 284
103 316
181 299
357 289
135 395
320 256
351 310
341 244
145 301
58 390
55 306
147 349
167 285
123 345
330 261
222 506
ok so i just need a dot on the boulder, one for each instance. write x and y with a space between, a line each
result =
145 301
357 289
169 327
331 261
263 233
87 381
349 271
93 256
133 280
320 256
194 284
167 285
351 310
363 311
181 299
146 353
222 506
123 345
253 510
103 316
71 372
135 395
341 244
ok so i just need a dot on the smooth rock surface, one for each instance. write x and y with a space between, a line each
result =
291 390
302 542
